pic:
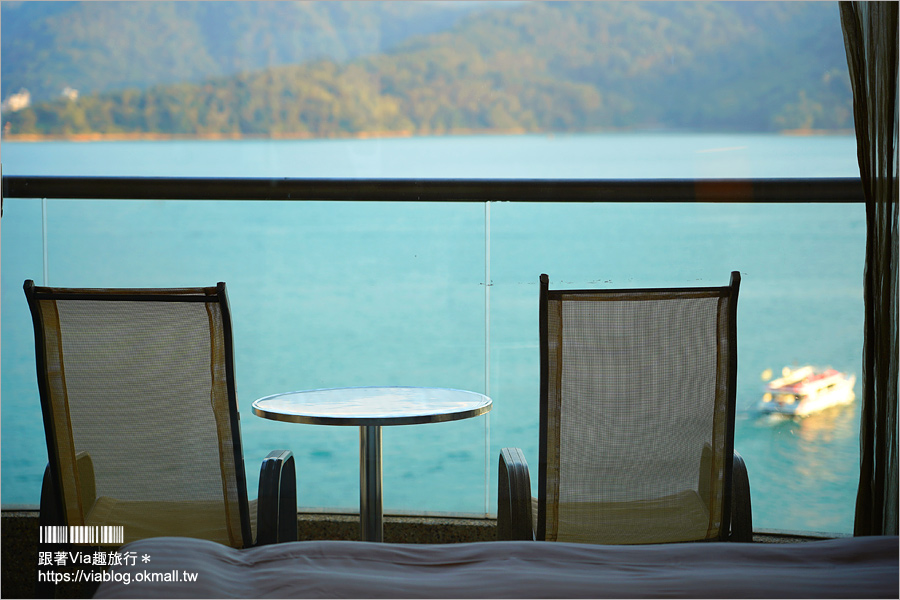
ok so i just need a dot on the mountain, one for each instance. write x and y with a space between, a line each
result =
522 67
96 47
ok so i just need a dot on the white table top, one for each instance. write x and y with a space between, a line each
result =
372 406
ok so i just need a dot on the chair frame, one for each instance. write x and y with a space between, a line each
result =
514 511
277 498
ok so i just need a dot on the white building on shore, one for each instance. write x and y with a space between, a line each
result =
17 101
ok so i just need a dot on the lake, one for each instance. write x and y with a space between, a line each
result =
339 294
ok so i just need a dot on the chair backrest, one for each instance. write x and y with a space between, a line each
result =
637 413
141 382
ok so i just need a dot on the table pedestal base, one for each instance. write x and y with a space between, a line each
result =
370 507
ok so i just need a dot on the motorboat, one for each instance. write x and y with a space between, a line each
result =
804 390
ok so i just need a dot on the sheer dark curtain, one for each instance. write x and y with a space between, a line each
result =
870 38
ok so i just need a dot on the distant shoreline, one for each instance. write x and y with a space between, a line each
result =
144 136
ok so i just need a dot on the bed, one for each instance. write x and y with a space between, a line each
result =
864 567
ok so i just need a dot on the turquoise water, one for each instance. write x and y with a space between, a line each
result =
338 294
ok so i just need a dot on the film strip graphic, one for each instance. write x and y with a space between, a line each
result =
82 534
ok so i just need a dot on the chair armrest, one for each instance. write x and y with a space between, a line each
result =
514 497
86 480
741 515
53 513
276 517
52 510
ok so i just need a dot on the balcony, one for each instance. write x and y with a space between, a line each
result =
453 262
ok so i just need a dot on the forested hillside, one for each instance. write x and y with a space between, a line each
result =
526 67
96 47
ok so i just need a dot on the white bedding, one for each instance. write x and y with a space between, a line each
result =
865 567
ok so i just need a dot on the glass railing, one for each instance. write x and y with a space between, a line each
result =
434 283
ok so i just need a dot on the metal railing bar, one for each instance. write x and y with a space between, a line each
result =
817 190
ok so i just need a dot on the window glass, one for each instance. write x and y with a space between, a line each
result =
800 303
441 294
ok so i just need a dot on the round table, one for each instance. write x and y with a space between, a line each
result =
371 408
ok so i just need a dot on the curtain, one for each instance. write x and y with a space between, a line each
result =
870 39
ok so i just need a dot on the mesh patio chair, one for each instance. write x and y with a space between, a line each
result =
140 414
636 421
